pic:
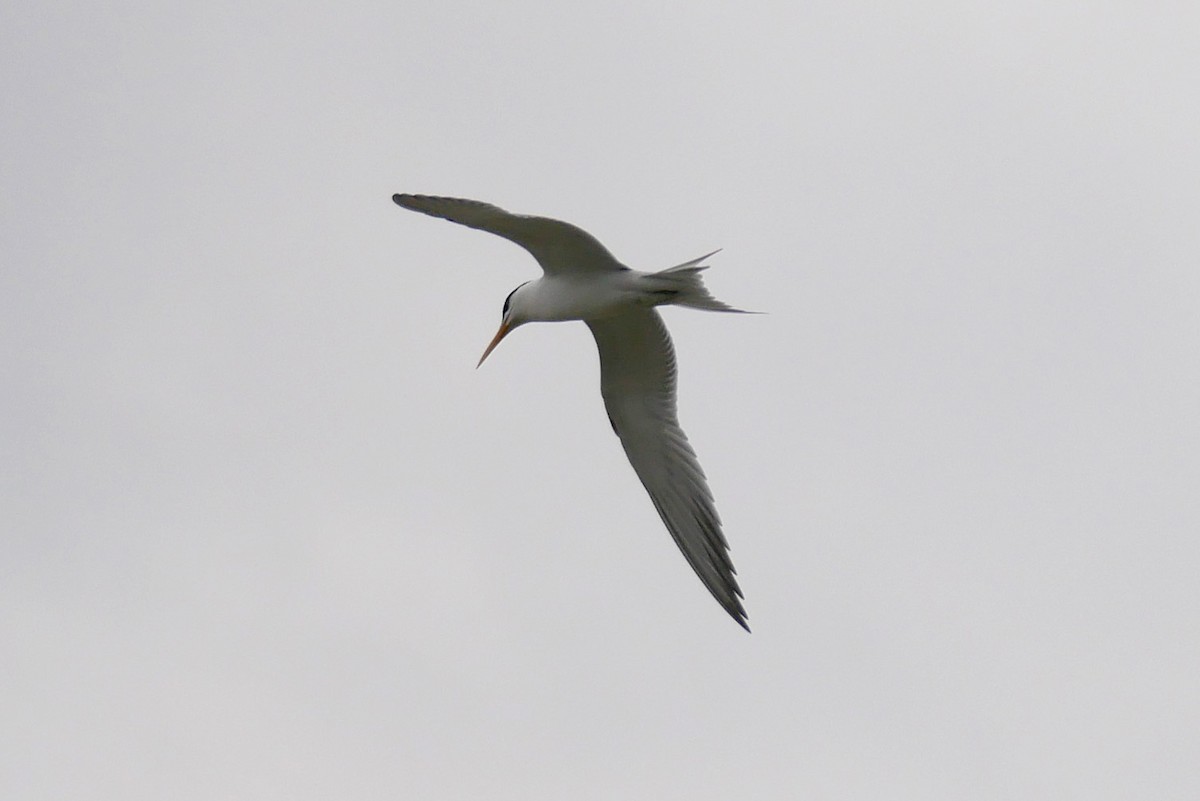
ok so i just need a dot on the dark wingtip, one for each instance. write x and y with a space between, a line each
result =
398 199
735 609
740 617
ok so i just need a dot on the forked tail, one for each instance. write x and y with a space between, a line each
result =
682 285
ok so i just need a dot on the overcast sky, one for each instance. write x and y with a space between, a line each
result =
265 532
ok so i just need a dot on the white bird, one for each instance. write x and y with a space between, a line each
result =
583 281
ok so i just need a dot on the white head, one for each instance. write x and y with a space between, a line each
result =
511 316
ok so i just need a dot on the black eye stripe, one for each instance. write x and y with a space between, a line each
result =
508 301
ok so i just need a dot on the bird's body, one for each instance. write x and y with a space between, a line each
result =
559 298
592 296
583 281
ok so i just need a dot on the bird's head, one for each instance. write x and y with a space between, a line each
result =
511 316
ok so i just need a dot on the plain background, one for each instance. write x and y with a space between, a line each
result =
267 534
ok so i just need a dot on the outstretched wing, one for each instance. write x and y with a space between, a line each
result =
559 247
637 380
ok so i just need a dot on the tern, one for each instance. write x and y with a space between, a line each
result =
583 281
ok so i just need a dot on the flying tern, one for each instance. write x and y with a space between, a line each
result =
583 281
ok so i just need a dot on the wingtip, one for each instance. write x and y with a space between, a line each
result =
411 202
734 608
738 613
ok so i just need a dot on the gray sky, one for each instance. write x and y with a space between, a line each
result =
267 534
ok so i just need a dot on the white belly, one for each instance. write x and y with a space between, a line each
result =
579 298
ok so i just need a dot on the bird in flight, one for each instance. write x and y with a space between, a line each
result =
583 281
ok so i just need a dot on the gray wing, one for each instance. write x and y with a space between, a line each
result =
637 380
559 247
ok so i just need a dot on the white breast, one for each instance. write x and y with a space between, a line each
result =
583 297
